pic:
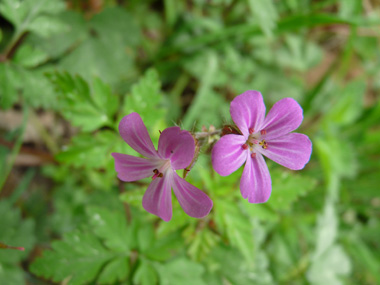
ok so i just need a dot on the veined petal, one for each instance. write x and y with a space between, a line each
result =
193 201
255 183
248 111
157 199
284 117
134 132
228 154
292 150
131 168
176 145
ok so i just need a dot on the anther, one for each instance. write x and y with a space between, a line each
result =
253 155
263 132
263 144
244 146
251 131
155 171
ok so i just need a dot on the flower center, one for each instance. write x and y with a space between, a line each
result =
254 141
161 170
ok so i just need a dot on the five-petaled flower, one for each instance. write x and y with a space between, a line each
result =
175 151
260 135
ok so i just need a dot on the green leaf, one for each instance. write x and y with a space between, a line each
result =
145 274
299 54
29 56
9 84
45 26
287 188
181 271
14 232
23 13
116 270
202 110
78 257
201 243
111 226
145 237
83 108
107 47
265 14
146 98
226 263
330 267
13 11
329 260
89 151
236 226
349 105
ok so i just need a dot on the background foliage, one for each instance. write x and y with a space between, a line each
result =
70 70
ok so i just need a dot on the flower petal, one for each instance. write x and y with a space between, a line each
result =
134 132
292 150
248 111
285 116
157 199
193 201
131 168
255 183
176 145
228 154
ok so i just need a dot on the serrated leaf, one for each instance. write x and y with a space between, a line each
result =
78 257
287 188
23 13
111 226
201 244
45 26
330 267
89 151
265 14
181 271
83 108
145 274
14 232
146 98
107 47
349 105
9 84
236 226
230 265
145 237
29 56
116 270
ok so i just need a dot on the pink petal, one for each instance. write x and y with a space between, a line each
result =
134 132
131 168
228 154
157 199
255 183
248 111
285 116
292 150
193 201
176 145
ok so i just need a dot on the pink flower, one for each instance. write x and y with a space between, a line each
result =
269 136
175 151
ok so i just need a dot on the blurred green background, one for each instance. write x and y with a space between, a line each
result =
70 70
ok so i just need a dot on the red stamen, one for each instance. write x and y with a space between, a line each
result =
251 131
253 155
263 132
244 146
